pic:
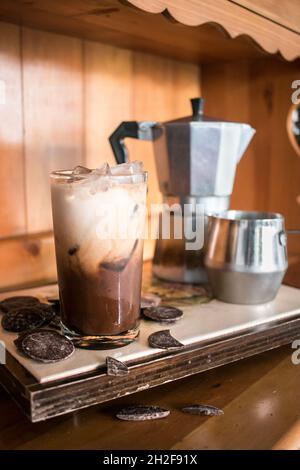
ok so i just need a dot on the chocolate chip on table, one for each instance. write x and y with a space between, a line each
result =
45 346
203 410
163 313
142 413
11 303
164 340
150 300
115 367
22 319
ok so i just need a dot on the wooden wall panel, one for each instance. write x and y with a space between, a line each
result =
226 93
26 261
268 177
66 96
12 191
162 89
107 96
153 101
52 71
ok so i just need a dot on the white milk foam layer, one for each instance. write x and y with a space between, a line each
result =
100 215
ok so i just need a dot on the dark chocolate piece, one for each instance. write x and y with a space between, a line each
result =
11 303
142 413
115 367
164 340
203 410
22 319
163 313
45 346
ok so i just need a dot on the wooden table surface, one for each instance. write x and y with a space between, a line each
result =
259 397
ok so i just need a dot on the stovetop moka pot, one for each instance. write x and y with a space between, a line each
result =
196 159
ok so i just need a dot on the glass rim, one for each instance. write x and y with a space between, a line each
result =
66 175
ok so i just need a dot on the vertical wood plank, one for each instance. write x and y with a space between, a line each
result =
152 101
27 260
108 98
227 93
52 71
162 89
187 84
12 195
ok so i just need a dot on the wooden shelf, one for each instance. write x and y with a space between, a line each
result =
44 394
190 30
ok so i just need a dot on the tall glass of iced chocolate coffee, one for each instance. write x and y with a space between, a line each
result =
98 219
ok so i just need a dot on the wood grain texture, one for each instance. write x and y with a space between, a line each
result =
119 24
262 403
290 440
286 13
52 71
27 260
261 389
108 98
226 91
12 182
235 20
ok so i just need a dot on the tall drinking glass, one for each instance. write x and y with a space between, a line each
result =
98 219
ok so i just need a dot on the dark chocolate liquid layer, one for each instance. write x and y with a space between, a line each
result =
102 303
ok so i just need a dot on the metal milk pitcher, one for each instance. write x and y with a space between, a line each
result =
246 256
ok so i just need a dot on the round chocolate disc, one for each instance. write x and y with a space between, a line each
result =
142 413
11 303
22 319
46 346
163 313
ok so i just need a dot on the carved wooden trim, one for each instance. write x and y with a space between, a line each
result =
234 19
